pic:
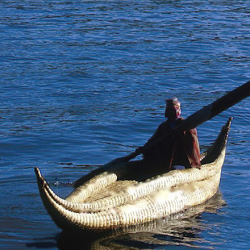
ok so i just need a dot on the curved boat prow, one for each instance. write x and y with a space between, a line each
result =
219 144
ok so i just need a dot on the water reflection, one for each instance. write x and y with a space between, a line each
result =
182 229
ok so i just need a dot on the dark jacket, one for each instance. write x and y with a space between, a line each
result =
182 149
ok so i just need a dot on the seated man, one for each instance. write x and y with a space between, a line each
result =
173 150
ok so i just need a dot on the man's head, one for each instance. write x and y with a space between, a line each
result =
173 109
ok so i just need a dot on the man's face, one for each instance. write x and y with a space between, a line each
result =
172 112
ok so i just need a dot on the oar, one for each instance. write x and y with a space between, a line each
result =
196 119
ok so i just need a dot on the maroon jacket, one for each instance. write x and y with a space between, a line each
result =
182 149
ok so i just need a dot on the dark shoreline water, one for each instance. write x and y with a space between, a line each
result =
84 82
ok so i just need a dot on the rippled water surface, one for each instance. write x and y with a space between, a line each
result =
84 82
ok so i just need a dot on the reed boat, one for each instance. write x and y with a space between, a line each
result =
106 202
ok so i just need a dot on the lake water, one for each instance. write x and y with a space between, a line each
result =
84 82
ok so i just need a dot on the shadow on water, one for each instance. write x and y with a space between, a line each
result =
44 243
180 230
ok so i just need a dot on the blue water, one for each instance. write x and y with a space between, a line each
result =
84 82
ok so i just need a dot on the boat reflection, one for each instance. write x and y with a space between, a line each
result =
182 229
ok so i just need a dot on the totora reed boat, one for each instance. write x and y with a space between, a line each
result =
106 202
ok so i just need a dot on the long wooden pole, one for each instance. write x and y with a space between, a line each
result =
215 108
203 115
196 119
